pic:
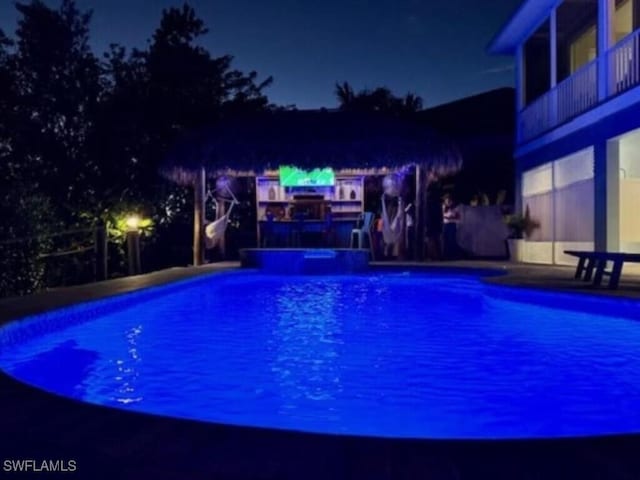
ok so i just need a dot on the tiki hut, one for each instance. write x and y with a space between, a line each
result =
345 141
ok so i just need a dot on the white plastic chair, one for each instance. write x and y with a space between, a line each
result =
364 231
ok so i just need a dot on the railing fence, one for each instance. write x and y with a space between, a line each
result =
52 260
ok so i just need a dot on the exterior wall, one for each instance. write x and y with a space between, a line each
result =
576 86
559 197
547 246
586 111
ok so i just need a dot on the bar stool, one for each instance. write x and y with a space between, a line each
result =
297 227
328 231
267 232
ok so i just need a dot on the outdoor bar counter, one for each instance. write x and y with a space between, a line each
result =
306 233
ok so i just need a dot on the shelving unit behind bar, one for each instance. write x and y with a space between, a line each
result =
345 200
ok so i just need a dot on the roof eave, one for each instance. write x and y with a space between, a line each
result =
521 25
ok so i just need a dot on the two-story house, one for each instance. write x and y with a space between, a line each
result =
577 65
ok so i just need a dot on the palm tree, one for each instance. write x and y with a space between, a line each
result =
380 99
345 95
411 103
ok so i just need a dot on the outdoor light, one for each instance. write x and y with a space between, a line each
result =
133 222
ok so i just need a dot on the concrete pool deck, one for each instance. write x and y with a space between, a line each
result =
109 443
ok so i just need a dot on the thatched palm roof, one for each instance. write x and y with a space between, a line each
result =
309 139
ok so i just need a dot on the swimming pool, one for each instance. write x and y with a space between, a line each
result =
406 354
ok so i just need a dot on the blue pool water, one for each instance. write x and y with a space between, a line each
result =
394 355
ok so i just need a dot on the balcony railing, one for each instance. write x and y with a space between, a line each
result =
569 98
535 118
579 92
623 61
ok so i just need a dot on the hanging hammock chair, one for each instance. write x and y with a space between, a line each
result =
392 230
214 230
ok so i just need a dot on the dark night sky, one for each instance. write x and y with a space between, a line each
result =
432 48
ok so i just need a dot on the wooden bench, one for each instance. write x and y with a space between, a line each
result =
593 265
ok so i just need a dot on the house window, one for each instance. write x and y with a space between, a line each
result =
583 49
629 192
559 197
537 64
623 19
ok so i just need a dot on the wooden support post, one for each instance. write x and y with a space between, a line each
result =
222 244
100 240
198 217
133 252
418 221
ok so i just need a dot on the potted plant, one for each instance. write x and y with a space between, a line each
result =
521 227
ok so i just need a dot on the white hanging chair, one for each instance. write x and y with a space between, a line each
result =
214 230
392 230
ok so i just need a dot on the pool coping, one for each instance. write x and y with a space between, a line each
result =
43 425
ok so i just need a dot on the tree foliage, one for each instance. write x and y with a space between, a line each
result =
156 95
6 105
380 99
81 136
56 91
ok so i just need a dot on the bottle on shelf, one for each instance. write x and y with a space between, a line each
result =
272 193
341 193
352 195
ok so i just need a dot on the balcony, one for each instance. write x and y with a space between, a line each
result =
579 92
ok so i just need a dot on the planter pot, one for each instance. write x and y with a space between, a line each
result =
516 249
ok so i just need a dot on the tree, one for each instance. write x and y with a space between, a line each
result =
411 103
49 83
194 87
57 89
380 99
156 95
175 86
82 138
345 95
6 105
